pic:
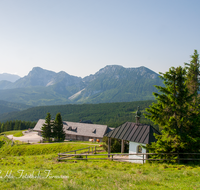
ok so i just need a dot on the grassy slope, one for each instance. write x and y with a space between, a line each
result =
88 174
41 149
94 174
17 133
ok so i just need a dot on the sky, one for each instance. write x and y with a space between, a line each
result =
82 36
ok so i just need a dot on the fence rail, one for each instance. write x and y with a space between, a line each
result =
65 155
143 157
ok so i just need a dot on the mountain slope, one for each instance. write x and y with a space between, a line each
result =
4 84
110 84
7 107
39 77
118 84
41 87
33 96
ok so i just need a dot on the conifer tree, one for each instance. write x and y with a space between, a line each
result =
174 114
58 131
2 127
193 74
47 128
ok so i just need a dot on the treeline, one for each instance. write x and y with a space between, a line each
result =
111 114
16 125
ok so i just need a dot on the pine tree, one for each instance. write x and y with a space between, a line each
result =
174 114
192 82
193 74
2 127
58 131
47 128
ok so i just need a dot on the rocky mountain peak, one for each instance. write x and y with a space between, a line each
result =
110 68
39 71
113 83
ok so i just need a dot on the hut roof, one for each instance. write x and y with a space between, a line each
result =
141 133
82 129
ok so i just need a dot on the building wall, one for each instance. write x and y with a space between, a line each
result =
76 137
40 133
80 138
133 149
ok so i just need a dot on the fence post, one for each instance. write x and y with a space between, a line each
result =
178 159
112 157
95 149
109 147
143 158
88 150
86 157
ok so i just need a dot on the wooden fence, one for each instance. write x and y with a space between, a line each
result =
89 149
143 157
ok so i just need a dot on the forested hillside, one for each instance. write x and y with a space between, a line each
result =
111 114
6 107
16 125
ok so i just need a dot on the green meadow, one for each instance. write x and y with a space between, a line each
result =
16 133
45 172
36 166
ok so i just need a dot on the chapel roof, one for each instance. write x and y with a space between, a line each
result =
134 132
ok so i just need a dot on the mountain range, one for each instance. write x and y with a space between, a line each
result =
9 77
112 83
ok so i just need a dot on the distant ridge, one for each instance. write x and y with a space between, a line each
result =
112 83
9 77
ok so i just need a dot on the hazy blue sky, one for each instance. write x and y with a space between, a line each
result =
82 36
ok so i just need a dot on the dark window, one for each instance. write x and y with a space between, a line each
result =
139 149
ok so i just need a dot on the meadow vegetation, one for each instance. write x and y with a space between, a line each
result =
18 134
38 149
34 171
36 167
15 133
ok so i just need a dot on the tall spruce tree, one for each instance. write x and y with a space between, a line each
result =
58 131
47 128
193 74
174 114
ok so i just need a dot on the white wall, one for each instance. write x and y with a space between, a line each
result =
133 149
